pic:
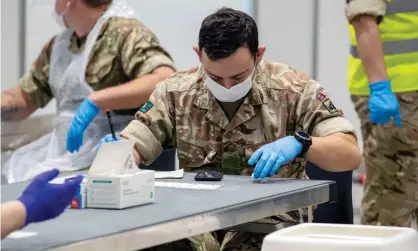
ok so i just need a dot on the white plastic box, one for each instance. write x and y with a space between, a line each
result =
334 237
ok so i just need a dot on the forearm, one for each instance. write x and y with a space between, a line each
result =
337 152
132 94
15 105
370 47
13 217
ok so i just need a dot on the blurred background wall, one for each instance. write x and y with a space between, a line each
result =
309 35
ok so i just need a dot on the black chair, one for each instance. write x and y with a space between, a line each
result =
341 211
165 162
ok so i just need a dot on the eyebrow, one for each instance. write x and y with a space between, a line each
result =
236 75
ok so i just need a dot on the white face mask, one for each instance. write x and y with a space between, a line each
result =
59 18
232 94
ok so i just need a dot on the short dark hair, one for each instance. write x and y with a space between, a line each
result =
225 31
97 3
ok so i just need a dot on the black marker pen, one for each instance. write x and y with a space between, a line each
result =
109 118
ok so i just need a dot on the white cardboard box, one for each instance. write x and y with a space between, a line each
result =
114 180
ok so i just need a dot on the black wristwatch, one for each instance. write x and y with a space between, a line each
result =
305 139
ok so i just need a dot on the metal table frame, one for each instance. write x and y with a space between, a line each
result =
215 220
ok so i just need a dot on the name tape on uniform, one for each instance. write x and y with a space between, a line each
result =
326 102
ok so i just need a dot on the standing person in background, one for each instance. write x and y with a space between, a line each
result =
383 82
104 59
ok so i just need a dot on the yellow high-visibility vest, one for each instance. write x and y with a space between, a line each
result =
399 34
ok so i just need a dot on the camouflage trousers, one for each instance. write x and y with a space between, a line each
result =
391 157
224 240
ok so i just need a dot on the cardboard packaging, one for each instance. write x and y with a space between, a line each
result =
115 182
80 198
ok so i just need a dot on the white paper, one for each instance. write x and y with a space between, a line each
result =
186 185
177 174
114 158
21 234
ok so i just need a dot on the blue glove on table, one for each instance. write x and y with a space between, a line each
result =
108 138
44 200
82 119
383 104
271 157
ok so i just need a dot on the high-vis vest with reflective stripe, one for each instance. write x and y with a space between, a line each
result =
399 34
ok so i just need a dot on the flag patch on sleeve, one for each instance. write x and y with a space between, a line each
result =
146 107
320 96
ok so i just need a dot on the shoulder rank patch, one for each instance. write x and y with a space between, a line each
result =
320 96
330 106
146 107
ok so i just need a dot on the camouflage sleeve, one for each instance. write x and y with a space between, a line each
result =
152 130
35 82
317 115
375 8
142 53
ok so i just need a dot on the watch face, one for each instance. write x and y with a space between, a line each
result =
304 135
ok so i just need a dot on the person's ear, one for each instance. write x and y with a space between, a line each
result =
260 54
197 50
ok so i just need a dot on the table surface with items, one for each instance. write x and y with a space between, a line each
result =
183 207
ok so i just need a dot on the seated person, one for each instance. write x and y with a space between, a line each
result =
241 114
104 59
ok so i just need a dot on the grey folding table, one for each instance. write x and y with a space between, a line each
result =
176 214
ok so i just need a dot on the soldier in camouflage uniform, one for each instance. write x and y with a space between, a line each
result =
124 62
250 120
383 83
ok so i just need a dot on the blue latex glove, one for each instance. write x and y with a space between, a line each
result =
82 119
271 157
108 138
44 200
383 104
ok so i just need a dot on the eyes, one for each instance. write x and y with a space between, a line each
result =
219 79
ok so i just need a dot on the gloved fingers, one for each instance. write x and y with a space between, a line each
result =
373 118
48 175
261 164
70 141
269 165
80 140
257 171
382 120
379 120
279 163
256 155
107 138
75 181
77 140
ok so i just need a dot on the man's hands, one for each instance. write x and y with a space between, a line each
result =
86 112
44 200
15 104
108 138
383 104
271 157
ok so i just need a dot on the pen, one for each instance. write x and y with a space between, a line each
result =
109 118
